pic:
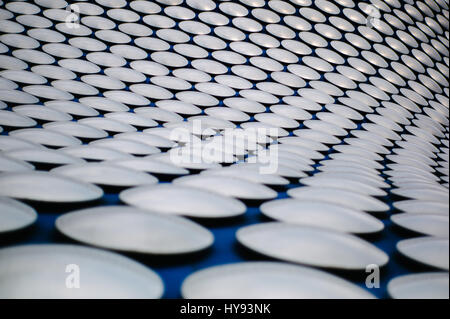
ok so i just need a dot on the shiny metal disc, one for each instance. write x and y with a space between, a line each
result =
197 203
15 215
140 231
58 189
301 244
316 213
125 278
433 285
432 251
267 280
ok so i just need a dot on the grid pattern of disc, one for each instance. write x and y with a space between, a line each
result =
347 100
